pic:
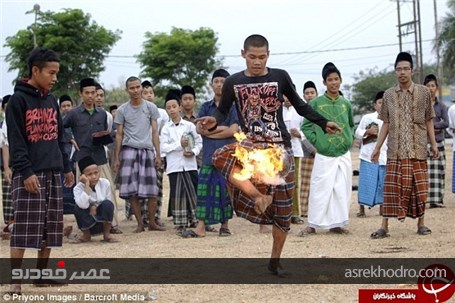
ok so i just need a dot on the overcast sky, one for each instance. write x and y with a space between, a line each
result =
303 35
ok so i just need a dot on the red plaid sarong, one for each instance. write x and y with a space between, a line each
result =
280 211
405 188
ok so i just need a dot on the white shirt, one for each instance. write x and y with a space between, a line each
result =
367 149
102 192
3 135
293 120
451 114
171 134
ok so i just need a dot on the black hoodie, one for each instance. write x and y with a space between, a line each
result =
35 132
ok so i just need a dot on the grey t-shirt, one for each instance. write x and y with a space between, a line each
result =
136 121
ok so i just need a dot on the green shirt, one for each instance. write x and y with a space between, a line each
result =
338 111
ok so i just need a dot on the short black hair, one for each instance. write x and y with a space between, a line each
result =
112 107
255 41
39 57
429 78
378 96
328 69
131 79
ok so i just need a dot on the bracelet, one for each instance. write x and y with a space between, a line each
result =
213 128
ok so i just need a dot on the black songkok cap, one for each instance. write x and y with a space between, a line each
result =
112 107
309 84
5 100
98 86
379 95
64 98
403 56
85 162
87 82
328 69
173 94
186 89
220 73
429 78
146 83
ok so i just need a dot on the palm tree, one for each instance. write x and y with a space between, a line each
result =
447 39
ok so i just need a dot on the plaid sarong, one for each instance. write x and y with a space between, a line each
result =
182 197
38 217
371 183
437 175
405 188
7 201
306 167
296 196
280 211
213 201
137 175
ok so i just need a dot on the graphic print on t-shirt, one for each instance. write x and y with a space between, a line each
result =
258 105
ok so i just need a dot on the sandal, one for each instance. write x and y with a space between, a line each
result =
379 234
190 234
225 232
297 220
360 215
115 230
423 230
210 229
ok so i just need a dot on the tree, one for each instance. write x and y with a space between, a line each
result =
367 84
81 43
183 57
370 82
447 40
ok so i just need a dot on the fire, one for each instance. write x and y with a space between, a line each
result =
263 165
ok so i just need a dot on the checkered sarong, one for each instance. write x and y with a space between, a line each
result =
182 197
371 183
7 202
38 217
306 167
213 201
437 175
405 188
280 211
137 175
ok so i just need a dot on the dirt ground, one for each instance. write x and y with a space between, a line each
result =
247 242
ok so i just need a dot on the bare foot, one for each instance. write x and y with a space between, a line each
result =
261 203
264 229
200 229
339 231
156 227
306 231
139 229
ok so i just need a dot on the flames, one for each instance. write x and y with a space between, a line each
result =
262 165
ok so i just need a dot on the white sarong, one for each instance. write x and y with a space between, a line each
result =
330 191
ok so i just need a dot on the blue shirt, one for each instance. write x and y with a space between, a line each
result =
210 145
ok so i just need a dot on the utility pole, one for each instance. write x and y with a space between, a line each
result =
399 28
412 27
438 57
36 9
